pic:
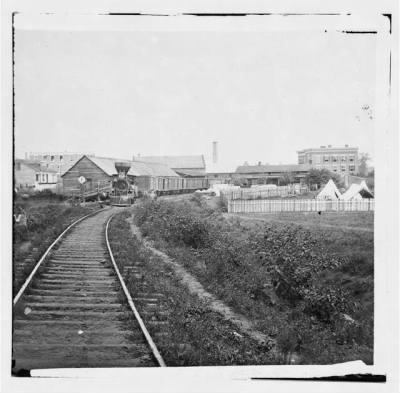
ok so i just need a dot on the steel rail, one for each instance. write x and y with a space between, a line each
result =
149 340
28 280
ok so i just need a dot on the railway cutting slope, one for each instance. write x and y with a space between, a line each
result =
74 313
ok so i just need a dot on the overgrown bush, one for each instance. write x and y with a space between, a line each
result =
325 303
174 224
294 259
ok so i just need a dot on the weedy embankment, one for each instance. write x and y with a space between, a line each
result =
302 288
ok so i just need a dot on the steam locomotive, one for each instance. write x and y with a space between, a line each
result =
123 190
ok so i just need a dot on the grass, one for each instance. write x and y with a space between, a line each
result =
232 266
364 220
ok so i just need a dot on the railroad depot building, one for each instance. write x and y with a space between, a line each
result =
271 174
185 166
341 160
33 176
100 172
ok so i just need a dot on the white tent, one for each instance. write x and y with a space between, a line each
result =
364 186
357 192
330 191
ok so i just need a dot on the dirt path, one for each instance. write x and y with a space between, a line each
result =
196 288
309 225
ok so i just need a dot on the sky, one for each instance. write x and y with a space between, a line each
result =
262 95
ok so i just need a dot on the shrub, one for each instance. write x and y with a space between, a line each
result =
175 224
325 303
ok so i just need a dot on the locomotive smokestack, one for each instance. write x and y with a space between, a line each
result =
215 152
122 169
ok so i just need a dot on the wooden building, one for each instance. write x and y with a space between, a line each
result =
271 174
92 174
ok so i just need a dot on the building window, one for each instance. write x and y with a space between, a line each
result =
326 158
352 168
310 161
334 158
44 157
343 158
37 177
52 158
351 158
343 169
61 158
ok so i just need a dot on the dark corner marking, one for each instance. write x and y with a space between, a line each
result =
390 22
340 378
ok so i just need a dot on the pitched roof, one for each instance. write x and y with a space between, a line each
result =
272 168
190 172
152 169
177 162
107 165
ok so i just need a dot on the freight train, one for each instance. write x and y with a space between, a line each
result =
170 185
126 189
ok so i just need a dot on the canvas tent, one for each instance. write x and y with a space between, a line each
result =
330 191
357 192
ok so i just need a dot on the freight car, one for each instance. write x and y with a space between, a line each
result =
170 185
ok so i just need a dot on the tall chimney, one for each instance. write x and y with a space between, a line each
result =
215 152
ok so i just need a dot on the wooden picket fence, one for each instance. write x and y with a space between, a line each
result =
254 193
298 205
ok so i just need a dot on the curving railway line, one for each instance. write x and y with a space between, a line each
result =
75 311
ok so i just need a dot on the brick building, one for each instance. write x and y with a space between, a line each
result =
57 161
341 160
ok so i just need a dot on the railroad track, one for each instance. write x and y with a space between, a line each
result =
75 311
